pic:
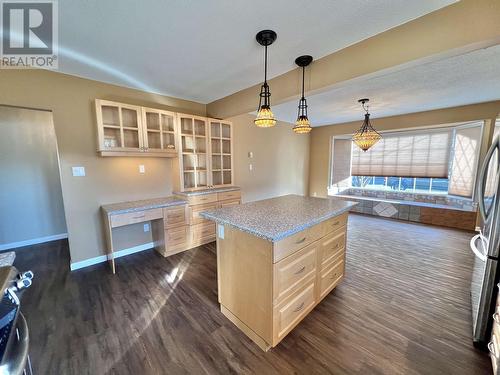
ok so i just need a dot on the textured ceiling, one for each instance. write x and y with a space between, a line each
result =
205 50
460 80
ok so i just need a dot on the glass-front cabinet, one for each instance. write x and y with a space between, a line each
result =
193 152
125 129
221 151
159 130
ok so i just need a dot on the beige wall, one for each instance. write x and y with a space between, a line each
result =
280 159
321 137
31 204
108 180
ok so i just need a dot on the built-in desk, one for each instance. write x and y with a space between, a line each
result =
168 217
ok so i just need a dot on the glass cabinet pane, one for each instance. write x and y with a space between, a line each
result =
201 145
199 127
131 138
226 146
216 146
216 162
110 115
167 122
226 177
129 118
168 141
186 126
189 180
201 180
215 129
226 162
112 138
217 178
226 131
187 144
154 140
152 121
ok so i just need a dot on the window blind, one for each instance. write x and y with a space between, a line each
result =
465 160
405 154
341 163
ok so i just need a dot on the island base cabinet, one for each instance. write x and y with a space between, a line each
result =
267 288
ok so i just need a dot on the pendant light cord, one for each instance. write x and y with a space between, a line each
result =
265 65
303 79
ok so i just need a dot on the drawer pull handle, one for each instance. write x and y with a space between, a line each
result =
336 223
334 276
138 217
300 307
301 270
491 348
300 241
177 238
496 317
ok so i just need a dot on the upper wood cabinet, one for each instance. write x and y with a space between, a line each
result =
221 152
125 129
193 158
206 149
159 130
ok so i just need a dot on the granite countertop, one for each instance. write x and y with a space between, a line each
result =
206 191
146 204
276 218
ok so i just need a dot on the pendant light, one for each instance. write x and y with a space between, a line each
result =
302 125
366 136
265 117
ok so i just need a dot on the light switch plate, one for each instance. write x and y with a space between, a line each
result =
142 169
250 154
220 231
146 227
250 167
78 171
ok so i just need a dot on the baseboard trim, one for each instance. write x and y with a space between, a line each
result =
33 241
103 258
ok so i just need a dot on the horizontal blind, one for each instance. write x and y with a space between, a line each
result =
465 160
405 154
341 162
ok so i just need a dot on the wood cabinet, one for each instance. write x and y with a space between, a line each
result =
128 130
206 153
267 288
221 152
202 231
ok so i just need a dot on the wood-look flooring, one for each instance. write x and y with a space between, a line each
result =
403 308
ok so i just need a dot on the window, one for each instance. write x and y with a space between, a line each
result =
441 161
406 184
406 154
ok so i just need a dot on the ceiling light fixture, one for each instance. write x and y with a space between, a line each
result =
366 136
265 117
302 125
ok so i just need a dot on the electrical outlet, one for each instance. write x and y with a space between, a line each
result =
146 227
78 171
314 194
250 167
142 169
250 154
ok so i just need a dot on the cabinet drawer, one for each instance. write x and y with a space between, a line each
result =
292 310
136 217
329 278
229 195
202 199
332 246
173 217
297 241
202 231
292 272
334 223
229 203
195 211
177 236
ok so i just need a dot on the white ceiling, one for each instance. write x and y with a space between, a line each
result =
205 50
460 80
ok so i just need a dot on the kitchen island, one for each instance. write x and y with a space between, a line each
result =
276 260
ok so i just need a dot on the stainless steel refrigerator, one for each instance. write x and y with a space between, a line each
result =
486 246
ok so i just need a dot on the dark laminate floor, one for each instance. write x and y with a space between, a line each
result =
403 308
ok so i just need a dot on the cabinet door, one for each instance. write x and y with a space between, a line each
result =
221 152
119 126
158 130
194 152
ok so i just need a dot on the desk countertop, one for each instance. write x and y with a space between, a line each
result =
146 204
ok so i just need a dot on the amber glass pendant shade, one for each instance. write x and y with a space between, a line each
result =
366 136
265 118
302 125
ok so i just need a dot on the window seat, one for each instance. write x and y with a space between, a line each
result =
461 216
